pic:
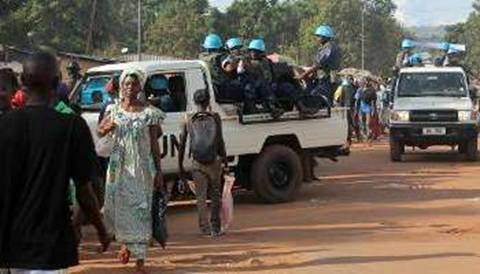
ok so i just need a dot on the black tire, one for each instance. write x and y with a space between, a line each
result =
396 150
277 174
472 149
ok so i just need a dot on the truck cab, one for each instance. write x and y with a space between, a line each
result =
433 106
268 156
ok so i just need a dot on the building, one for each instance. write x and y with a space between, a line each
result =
13 57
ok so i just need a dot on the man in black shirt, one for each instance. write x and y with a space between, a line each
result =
40 151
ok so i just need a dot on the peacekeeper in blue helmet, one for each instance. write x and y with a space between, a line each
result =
403 56
259 72
214 55
455 58
443 59
326 63
271 82
234 46
239 88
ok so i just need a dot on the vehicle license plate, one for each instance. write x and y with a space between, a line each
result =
434 131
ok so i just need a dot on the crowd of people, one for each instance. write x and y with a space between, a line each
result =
366 102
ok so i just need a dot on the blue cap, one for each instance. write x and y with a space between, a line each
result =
234 43
257 44
212 41
325 31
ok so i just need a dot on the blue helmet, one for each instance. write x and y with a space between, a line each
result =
452 51
415 59
325 31
212 41
444 46
257 44
408 44
234 43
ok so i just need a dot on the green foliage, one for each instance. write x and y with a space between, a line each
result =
468 33
382 32
177 27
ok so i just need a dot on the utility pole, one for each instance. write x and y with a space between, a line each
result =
93 14
363 36
139 31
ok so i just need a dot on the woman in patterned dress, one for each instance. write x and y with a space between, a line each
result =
134 169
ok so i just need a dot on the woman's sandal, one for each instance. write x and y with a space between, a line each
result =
124 255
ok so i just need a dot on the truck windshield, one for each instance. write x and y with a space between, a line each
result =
448 84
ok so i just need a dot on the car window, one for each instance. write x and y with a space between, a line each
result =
432 84
167 91
92 90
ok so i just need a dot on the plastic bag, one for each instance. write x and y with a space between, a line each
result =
227 202
104 146
159 218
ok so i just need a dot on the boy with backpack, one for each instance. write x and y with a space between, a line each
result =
207 150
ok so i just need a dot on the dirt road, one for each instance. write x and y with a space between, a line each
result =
366 215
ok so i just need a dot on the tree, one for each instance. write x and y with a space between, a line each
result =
468 33
179 28
382 32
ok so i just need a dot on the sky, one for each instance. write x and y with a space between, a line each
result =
418 12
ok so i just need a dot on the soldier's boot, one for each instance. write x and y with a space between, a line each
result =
271 106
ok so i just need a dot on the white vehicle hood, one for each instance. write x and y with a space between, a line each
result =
432 103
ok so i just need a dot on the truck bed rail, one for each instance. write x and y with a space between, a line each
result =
260 118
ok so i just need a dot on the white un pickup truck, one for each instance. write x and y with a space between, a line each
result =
434 106
268 156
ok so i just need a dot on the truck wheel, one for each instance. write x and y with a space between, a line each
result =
277 174
472 149
396 150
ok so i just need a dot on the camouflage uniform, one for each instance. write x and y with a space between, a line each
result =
327 61
226 88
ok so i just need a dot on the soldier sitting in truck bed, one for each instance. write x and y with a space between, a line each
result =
224 89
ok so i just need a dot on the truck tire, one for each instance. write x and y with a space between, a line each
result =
396 150
277 174
472 149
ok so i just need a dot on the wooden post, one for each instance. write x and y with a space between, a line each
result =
91 26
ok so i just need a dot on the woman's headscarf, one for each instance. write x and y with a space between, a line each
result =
132 72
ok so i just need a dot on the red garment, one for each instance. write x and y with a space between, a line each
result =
19 99
110 86
375 126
